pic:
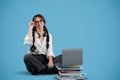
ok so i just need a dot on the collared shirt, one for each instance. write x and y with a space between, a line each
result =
40 46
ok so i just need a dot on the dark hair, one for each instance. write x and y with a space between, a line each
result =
39 15
45 29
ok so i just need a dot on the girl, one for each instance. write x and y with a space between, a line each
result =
39 60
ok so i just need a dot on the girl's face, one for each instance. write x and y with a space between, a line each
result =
39 23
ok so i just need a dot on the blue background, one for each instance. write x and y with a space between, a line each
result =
93 25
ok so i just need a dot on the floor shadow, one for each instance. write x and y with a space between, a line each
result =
29 74
23 73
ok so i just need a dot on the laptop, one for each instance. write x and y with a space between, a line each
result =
70 57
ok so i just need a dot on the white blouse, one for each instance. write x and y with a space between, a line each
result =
40 46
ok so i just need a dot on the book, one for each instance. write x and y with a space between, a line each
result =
74 65
70 73
80 77
70 68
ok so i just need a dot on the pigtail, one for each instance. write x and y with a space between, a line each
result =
33 35
47 35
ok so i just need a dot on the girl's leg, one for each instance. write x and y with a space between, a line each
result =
33 65
57 59
54 70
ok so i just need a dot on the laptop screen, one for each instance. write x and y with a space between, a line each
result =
72 57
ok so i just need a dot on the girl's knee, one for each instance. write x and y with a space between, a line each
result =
27 57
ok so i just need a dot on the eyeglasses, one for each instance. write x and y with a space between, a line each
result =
39 21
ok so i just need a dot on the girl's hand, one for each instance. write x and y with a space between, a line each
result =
50 64
31 24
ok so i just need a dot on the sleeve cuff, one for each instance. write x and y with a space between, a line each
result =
50 55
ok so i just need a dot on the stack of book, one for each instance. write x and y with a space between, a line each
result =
70 73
